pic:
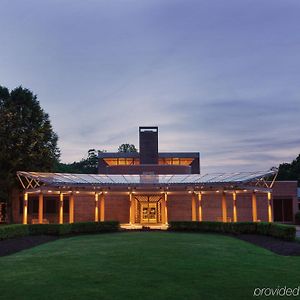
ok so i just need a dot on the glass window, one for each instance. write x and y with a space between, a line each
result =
175 161
186 161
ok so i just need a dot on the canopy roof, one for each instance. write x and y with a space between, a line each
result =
32 180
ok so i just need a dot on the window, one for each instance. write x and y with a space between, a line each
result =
122 161
175 161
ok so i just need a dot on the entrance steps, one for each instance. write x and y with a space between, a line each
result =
144 226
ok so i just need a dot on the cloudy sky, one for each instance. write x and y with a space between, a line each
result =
218 77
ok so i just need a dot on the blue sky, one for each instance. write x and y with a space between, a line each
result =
218 77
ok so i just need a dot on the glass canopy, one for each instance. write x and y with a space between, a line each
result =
35 179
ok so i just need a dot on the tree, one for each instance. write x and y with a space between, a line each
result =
290 171
87 165
127 148
27 140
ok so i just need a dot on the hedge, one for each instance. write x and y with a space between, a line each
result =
285 232
12 231
18 230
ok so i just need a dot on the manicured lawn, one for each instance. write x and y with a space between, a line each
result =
144 265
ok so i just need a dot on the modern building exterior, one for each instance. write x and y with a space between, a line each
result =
149 160
152 188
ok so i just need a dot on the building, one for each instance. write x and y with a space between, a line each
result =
151 188
149 160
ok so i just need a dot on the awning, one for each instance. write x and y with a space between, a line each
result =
259 180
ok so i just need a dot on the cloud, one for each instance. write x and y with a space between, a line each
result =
217 77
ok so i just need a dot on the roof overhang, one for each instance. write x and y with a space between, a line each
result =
257 181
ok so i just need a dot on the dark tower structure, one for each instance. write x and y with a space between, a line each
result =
149 160
148 145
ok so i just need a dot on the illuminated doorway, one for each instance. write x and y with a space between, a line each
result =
148 209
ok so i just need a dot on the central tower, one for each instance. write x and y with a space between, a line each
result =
148 137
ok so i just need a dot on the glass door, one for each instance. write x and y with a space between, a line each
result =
148 212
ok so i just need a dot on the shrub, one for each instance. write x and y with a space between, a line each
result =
49 229
17 230
12 231
94 227
263 228
244 227
285 232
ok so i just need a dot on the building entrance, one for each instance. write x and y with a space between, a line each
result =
148 209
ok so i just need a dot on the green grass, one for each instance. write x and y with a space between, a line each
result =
144 265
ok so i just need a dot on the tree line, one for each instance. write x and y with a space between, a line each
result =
89 164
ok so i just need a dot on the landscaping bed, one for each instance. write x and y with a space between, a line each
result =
273 244
11 246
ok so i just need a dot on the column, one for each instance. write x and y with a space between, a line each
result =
234 207
166 208
102 207
200 206
194 211
41 202
71 208
270 217
61 208
254 207
96 208
131 209
224 208
25 206
163 209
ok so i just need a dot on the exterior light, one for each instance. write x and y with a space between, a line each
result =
217 191
190 192
77 192
105 192
49 191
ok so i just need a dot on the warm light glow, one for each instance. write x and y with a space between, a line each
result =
105 192
25 208
234 207
77 192
49 191
190 192
234 196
